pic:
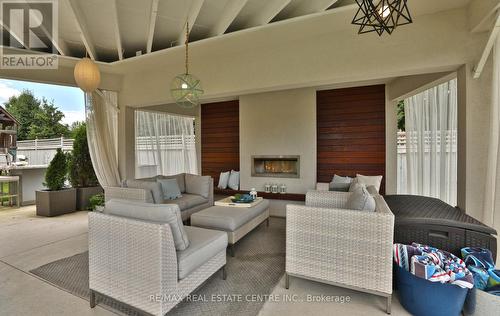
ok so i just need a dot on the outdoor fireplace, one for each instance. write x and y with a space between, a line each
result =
276 166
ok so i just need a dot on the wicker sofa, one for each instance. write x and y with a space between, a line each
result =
136 262
190 202
347 248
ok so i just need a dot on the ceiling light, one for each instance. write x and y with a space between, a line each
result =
185 88
87 75
381 15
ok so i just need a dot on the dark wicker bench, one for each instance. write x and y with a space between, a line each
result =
433 222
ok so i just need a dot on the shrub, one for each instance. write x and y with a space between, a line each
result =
56 172
81 171
96 200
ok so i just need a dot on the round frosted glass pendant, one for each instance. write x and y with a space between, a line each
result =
186 90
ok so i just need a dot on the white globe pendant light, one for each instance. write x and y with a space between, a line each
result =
87 75
185 88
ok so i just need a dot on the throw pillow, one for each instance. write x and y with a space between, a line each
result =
234 180
170 189
199 185
180 180
372 190
163 213
153 187
223 180
355 185
370 180
341 184
361 200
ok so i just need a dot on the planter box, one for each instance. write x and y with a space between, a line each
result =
83 195
481 303
53 203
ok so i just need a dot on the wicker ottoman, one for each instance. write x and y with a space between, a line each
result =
236 221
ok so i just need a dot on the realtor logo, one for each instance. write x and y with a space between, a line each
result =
28 31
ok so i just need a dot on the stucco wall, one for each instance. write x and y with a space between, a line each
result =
279 123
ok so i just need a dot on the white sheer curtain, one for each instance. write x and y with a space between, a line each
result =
101 110
492 185
431 142
164 144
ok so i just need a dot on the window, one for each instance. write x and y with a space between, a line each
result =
164 144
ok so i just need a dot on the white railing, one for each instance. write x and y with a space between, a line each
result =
41 151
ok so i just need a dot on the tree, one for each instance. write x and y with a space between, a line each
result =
56 172
74 128
81 171
47 123
24 108
37 118
401 115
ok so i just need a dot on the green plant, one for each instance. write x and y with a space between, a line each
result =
96 200
81 171
56 172
401 115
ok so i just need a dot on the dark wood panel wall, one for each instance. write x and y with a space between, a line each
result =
351 132
220 138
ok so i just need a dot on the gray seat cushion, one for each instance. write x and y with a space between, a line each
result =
227 218
187 201
204 244
159 213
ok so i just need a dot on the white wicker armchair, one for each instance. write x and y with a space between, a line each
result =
135 262
346 248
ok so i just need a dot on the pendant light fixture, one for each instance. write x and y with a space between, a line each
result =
185 88
381 15
87 75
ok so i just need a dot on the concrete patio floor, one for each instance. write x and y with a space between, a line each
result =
29 241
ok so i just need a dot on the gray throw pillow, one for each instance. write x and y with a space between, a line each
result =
170 189
372 190
163 213
198 185
180 180
341 184
153 187
361 200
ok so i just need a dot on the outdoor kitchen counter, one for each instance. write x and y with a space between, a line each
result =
31 178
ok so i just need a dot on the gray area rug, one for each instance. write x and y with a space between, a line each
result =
255 270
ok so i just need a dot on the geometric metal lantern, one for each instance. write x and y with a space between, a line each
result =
185 88
381 15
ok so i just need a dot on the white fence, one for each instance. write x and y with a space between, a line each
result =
451 153
152 152
41 151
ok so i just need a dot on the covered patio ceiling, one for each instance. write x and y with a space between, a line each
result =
114 30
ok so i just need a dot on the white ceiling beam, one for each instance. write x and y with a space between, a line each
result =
230 12
59 44
116 26
77 14
13 34
267 13
487 49
481 12
193 12
152 24
311 6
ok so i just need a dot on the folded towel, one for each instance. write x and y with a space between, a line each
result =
433 264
